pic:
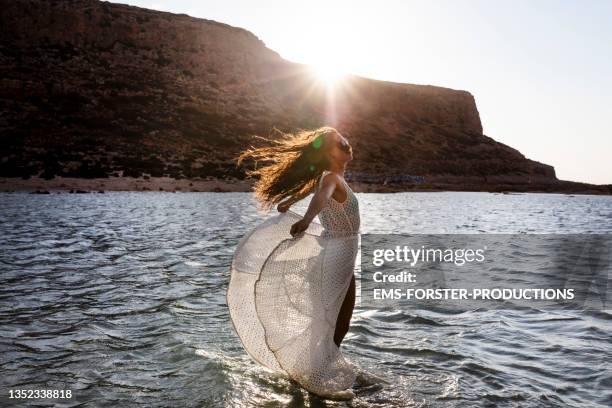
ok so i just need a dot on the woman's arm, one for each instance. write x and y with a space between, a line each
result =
283 206
317 203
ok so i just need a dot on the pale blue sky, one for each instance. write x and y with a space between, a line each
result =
540 70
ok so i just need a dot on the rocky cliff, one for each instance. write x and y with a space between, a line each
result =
95 89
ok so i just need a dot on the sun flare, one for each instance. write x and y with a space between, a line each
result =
329 73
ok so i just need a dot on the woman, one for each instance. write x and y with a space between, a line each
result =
292 288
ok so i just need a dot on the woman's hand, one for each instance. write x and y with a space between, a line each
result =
299 227
284 206
328 185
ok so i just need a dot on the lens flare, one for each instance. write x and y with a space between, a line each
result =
329 74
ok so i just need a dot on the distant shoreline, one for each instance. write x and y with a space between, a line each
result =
121 184
169 184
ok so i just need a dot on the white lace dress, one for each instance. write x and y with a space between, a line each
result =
285 294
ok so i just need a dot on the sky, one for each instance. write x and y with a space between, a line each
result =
540 70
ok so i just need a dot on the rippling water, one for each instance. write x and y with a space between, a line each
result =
120 297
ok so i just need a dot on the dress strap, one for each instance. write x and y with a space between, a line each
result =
321 178
348 188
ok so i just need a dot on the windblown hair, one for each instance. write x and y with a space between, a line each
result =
290 166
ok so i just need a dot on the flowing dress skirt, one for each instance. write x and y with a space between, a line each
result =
284 297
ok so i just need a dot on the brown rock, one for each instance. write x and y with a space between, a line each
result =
119 90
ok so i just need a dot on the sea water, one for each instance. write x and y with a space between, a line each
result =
120 298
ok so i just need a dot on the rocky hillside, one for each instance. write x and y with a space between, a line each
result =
95 89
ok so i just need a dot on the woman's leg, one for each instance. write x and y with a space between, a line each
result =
346 312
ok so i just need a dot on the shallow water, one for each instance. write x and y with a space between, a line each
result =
120 297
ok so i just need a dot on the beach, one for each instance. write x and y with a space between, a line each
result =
86 185
58 184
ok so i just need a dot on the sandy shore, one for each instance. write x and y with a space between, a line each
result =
121 184
79 185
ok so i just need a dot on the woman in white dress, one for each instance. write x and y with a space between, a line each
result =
292 289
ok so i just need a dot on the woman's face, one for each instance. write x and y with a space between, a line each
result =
340 150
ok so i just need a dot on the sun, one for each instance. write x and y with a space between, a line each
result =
329 73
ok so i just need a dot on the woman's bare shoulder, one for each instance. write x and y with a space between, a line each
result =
333 182
331 179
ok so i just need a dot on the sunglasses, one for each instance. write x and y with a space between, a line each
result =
344 145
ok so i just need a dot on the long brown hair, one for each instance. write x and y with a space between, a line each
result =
290 166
